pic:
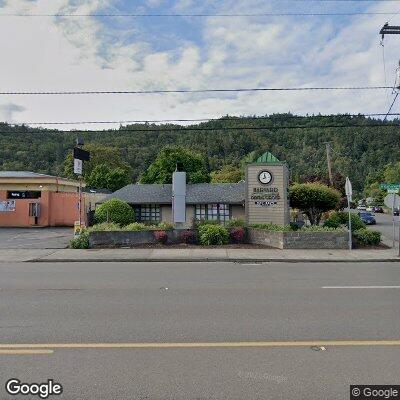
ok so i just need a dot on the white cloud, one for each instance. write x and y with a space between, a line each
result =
83 54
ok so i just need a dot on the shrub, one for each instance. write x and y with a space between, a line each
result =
237 235
235 223
188 237
313 199
115 210
207 222
136 226
105 226
81 241
166 226
273 227
339 218
213 235
365 237
161 236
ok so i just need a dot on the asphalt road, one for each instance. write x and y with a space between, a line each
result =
35 238
384 224
72 311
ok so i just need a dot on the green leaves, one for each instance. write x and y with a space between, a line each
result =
313 199
161 170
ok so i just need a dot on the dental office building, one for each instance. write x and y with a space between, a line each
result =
261 198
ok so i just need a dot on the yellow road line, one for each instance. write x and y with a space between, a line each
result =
395 342
25 352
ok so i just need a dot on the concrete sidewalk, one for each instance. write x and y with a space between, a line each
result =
190 255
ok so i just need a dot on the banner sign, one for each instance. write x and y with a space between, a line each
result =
7 206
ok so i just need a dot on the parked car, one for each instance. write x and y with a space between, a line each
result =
361 208
367 218
396 211
378 209
370 209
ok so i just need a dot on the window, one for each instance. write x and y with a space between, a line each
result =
29 194
213 212
148 213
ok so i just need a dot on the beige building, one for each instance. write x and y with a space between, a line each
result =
261 198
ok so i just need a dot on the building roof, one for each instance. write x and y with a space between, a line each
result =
267 157
23 174
200 193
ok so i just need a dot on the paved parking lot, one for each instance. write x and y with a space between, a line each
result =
35 238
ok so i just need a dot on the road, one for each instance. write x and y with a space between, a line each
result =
89 322
384 224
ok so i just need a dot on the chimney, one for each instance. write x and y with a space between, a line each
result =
179 197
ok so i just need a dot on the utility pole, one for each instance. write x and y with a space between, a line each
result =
328 159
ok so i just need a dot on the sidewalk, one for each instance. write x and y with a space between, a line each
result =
196 255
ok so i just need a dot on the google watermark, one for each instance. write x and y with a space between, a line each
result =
44 390
369 392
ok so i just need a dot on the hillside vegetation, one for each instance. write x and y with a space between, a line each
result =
361 145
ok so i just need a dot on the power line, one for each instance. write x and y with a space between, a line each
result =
233 128
228 118
98 92
208 15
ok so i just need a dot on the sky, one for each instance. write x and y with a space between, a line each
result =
167 53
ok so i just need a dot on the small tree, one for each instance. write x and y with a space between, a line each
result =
227 174
161 170
115 210
313 199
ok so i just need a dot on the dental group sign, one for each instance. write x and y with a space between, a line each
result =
267 193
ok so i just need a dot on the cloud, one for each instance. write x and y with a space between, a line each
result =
8 110
124 54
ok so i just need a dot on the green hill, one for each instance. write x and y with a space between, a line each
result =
361 145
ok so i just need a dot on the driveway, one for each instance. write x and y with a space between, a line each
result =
35 238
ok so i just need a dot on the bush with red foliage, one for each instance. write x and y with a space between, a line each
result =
161 236
188 237
237 235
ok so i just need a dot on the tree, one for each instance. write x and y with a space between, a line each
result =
313 199
116 211
99 155
391 174
104 177
161 170
227 174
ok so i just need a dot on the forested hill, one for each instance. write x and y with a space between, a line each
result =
361 145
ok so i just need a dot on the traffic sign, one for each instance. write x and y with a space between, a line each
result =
349 189
393 191
392 201
386 186
77 166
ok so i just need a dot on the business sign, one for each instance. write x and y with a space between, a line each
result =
80 154
78 166
7 206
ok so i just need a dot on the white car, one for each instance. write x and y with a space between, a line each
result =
370 209
362 208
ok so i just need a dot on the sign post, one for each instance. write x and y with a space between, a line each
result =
80 155
392 201
349 195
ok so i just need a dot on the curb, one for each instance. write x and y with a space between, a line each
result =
197 260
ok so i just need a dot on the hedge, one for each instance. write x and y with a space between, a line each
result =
213 235
366 237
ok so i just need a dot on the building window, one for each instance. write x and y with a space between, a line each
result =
148 213
213 212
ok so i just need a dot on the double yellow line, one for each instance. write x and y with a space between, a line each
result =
48 348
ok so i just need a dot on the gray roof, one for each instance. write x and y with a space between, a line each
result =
23 174
200 193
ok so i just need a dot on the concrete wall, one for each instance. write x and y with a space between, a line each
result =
130 239
299 239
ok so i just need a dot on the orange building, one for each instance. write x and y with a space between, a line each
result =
31 199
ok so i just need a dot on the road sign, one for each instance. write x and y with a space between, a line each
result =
81 154
349 189
392 201
386 186
77 166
